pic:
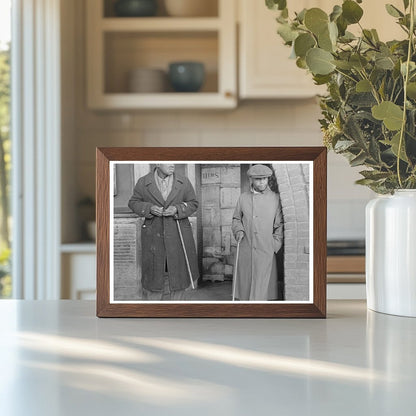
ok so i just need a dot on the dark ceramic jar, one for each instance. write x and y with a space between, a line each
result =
135 8
186 76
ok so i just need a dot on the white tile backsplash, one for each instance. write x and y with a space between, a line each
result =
346 219
257 123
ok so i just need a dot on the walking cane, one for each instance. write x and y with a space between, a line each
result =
184 252
235 269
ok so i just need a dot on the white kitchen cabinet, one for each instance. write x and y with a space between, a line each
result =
265 70
117 45
78 263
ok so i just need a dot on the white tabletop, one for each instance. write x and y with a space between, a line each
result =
57 358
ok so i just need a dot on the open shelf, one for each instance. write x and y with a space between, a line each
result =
127 51
160 24
118 45
210 9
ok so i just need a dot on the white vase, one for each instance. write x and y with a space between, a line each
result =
391 253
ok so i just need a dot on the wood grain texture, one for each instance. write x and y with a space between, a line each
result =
103 231
317 309
346 264
319 230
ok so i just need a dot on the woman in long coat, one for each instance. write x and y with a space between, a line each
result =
162 252
258 224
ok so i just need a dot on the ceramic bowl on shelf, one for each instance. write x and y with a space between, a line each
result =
186 76
191 8
147 80
135 8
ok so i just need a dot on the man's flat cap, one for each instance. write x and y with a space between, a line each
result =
259 171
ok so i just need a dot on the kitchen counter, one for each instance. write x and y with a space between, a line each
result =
57 358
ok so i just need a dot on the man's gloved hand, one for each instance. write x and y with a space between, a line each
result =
239 236
157 211
170 211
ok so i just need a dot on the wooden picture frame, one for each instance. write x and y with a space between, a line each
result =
312 164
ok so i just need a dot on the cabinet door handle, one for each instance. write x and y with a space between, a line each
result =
229 94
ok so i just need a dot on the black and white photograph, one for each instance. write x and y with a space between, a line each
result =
211 232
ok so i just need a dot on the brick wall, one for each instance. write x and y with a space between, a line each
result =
220 189
293 182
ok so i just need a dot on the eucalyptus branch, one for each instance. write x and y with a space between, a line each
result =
398 95
406 79
404 28
346 75
373 88
392 91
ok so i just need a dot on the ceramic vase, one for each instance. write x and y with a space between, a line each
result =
186 76
391 253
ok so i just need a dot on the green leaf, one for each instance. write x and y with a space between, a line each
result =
358 61
316 20
325 42
363 86
276 4
393 11
362 99
374 150
412 67
377 75
343 145
303 43
336 12
411 123
351 11
287 33
281 19
333 32
344 65
391 114
347 37
319 61
384 62
301 15
321 79
342 25
406 4
354 132
411 90
365 182
405 21
301 63
394 144
375 35
396 70
374 174
359 160
382 89
368 36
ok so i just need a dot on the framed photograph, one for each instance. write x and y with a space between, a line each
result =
211 232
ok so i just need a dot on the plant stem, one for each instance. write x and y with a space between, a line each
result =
373 88
346 75
405 81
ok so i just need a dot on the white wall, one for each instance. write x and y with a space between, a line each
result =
253 123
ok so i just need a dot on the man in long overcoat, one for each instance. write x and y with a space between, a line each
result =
258 226
164 199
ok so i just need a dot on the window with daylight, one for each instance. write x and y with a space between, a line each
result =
5 147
